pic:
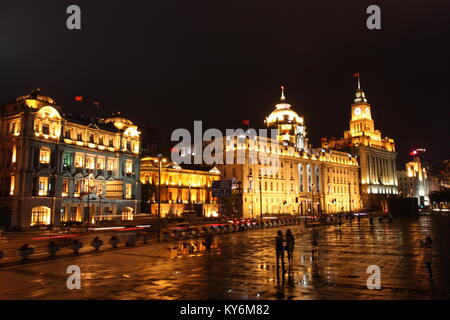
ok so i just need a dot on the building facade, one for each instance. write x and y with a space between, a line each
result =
284 175
183 188
413 182
376 155
60 167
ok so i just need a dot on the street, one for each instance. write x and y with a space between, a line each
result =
241 265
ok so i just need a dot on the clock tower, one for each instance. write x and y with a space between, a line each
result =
361 122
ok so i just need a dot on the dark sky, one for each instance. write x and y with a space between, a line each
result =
168 63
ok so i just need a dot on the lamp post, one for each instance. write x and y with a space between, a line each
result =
160 160
91 187
350 196
260 201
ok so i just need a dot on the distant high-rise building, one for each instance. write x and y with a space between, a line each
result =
413 182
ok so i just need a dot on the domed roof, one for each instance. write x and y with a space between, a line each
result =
119 121
283 112
37 95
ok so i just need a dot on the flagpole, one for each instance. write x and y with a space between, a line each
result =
359 82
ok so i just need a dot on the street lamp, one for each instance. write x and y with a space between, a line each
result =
159 161
91 187
350 196
260 201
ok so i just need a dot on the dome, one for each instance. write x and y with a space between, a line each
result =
119 121
283 112
37 95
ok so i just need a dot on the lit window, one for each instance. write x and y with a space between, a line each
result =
128 166
90 163
11 189
77 189
43 186
14 155
110 165
128 191
79 161
40 215
65 188
100 164
44 156
127 213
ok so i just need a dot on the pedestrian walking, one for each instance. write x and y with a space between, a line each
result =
428 255
290 241
279 248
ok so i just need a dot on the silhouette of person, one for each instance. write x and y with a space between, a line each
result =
279 248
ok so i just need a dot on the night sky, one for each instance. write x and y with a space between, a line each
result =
168 63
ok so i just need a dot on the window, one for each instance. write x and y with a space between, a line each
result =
110 165
65 187
67 134
77 189
11 187
91 138
45 129
14 154
128 166
100 164
44 155
128 191
100 140
66 161
127 213
43 186
111 144
79 160
90 162
40 215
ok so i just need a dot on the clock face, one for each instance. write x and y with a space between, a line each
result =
368 110
357 111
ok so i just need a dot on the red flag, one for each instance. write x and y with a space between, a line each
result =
79 98
246 122
96 103
356 74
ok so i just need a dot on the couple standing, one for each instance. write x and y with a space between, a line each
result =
282 244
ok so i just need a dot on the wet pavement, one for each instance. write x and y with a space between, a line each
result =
242 266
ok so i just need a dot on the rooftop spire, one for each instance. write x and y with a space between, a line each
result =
356 75
360 95
283 98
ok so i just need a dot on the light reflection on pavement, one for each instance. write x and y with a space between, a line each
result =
242 266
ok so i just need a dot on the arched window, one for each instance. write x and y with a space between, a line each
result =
40 215
127 213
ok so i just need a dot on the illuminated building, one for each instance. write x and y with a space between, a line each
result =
285 175
413 182
183 188
376 155
290 126
54 164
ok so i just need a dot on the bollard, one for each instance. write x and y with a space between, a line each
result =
52 249
96 243
25 251
114 241
76 246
